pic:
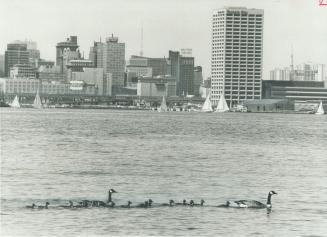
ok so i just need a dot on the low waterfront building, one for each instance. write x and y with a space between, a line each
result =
80 87
269 105
24 86
19 86
156 86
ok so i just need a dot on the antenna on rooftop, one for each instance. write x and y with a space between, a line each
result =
292 63
292 58
141 52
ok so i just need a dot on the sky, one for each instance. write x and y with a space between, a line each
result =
167 25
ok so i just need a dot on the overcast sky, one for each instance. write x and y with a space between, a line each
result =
167 25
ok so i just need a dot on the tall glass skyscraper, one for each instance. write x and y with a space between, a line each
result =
236 62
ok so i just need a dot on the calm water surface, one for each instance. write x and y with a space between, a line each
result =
60 155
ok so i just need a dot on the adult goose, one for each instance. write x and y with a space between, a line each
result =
250 203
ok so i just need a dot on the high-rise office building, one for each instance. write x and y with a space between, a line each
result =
2 65
182 68
34 53
111 57
95 50
66 51
160 66
16 53
236 63
114 60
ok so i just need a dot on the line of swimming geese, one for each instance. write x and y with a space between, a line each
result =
149 203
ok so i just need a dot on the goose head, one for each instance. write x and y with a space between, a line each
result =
272 193
112 191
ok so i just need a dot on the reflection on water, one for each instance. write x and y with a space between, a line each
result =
61 155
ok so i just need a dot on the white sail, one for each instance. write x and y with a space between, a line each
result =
222 105
15 103
163 106
320 109
37 101
207 106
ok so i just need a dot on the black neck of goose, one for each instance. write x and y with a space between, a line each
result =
109 196
269 198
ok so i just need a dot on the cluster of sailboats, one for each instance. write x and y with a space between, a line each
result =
206 107
221 107
37 104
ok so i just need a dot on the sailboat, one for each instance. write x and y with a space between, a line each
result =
222 105
163 106
207 106
320 109
15 103
37 101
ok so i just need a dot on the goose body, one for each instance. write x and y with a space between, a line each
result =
97 203
250 203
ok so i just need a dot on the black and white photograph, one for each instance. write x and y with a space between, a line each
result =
163 118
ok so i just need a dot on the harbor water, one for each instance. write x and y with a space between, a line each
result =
57 155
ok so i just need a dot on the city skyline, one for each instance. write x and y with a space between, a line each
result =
176 25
